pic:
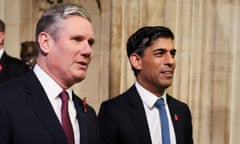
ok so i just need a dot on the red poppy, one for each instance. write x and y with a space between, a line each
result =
176 117
1 67
85 104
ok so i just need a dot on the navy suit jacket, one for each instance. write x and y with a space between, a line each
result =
27 117
122 120
11 68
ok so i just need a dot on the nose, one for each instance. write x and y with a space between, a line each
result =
87 49
169 59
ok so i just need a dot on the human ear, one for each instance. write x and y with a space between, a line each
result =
45 41
136 61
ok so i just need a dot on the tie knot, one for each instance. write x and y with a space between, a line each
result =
64 96
160 102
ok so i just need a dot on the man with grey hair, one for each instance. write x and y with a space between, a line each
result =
10 67
40 107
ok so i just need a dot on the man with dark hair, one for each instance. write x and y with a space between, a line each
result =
41 107
28 53
145 113
10 67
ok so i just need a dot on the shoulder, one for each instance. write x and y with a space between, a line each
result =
116 101
177 105
16 62
15 67
122 101
10 60
175 101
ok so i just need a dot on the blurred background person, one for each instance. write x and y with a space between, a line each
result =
28 53
10 67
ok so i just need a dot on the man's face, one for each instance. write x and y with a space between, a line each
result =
157 66
70 54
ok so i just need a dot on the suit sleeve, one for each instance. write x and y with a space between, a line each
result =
188 125
108 128
94 136
5 128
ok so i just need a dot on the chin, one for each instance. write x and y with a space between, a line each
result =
79 77
166 85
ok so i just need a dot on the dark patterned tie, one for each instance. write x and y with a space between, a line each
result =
164 121
66 123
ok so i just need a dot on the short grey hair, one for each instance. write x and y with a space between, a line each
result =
50 21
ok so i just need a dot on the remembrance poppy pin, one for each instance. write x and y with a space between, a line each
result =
85 104
176 117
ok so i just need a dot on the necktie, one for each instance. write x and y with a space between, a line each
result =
66 123
164 121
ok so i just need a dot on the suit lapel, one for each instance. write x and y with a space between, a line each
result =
176 116
4 58
40 105
137 113
82 121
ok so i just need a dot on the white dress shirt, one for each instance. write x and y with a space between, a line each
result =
1 52
153 116
52 89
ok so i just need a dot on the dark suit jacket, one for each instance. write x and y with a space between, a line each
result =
27 117
122 120
11 67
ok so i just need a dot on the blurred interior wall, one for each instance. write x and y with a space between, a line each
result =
208 49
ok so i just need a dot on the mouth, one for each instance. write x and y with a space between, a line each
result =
167 73
83 65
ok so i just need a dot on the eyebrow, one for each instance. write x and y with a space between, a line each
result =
162 49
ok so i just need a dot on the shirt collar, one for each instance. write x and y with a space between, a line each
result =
1 52
49 85
148 98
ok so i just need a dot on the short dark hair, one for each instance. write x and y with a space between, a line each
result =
28 45
145 36
2 26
